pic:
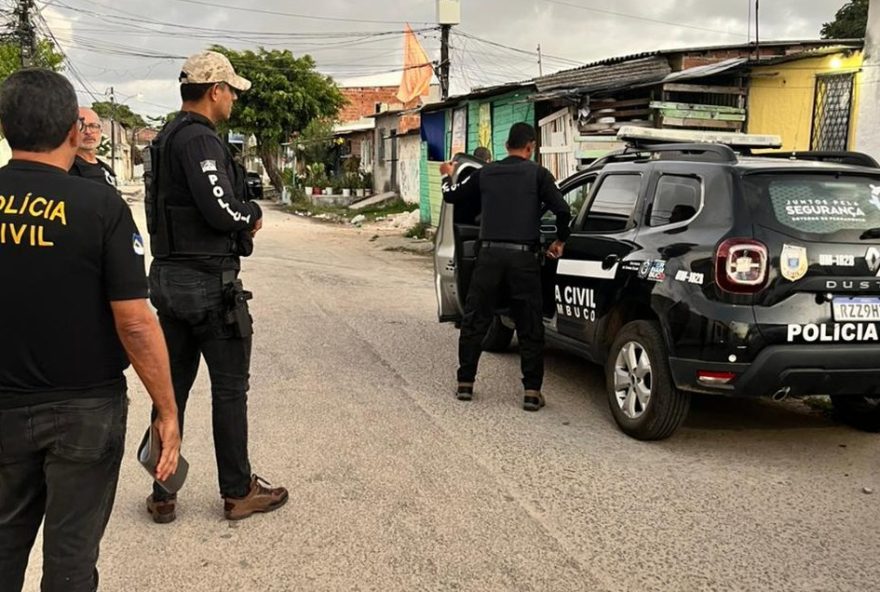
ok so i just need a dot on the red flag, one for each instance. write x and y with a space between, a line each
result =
417 69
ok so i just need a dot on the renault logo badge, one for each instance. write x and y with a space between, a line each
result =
872 258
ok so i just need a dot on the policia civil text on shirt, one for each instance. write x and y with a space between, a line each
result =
200 226
512 193
73 313
87 164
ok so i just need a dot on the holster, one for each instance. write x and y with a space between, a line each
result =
235 311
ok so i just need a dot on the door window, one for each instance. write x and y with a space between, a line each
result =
677 199
613 204
575 197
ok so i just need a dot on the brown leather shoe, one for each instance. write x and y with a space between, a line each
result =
162 511
533 400
259 499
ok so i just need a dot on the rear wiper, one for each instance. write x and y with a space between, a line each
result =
870 233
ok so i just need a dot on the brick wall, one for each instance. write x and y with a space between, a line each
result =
362 101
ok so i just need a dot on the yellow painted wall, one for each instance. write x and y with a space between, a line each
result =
781 97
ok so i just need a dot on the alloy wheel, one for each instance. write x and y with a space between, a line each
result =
633 380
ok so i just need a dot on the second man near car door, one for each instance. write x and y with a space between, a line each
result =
513 192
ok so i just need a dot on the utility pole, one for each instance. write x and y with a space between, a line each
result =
540 62
25 33
448 14
757 30
444 61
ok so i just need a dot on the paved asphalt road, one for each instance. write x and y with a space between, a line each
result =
395 485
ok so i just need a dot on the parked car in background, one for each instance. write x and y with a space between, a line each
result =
255 185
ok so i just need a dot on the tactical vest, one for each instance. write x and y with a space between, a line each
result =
511 205
176 226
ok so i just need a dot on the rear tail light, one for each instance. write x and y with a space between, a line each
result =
741 265
709 378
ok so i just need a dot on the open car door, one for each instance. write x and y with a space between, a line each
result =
455 247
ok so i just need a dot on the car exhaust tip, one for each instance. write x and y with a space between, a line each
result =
782 394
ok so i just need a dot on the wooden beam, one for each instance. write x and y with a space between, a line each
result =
556 149
664 105
619 104
702 88
701 115
702 123
632 113
553 117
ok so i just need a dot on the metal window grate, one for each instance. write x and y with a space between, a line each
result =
832 112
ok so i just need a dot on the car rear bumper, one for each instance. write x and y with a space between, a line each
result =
793 369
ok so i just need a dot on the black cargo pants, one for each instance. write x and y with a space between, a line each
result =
191 311
517 273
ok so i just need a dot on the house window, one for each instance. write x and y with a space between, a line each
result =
832 111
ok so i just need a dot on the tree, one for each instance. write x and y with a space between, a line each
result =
850 22
119 112
287 94
10 57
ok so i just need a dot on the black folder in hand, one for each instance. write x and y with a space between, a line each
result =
148 454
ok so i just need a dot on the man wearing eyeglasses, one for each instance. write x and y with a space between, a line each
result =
87 163
200 225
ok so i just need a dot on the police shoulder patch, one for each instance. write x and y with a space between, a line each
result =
137 243
209 166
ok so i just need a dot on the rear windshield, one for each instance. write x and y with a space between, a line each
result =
825 205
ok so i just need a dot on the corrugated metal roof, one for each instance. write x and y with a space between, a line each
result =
707 70
662 53
805 55
607 76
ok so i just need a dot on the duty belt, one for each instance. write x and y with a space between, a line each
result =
510 246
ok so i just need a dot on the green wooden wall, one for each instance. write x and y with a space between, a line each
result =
506 110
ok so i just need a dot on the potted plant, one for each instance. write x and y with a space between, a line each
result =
367 180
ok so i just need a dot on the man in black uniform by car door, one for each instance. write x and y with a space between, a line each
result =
512 193
200 225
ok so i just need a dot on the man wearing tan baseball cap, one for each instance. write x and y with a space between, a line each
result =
211 66
200 225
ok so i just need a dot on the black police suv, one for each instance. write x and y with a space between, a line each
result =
692 268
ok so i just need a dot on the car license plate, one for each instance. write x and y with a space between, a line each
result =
856 309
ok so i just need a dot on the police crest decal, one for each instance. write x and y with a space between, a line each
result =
793 262
137 244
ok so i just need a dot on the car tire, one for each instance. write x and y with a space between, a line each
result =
860 412
643 398
498 337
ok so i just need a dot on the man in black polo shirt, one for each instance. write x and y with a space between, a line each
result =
72 305
512 193
87 164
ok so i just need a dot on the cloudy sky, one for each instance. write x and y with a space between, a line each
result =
137 46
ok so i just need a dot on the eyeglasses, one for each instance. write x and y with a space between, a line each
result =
92 127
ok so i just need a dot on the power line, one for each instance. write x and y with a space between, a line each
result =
640 18
76 74
295 15
516 49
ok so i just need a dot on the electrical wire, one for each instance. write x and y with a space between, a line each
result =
250 9
640 18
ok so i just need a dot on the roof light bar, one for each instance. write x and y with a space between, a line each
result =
644 135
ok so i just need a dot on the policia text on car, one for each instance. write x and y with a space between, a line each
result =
512 193
200 224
